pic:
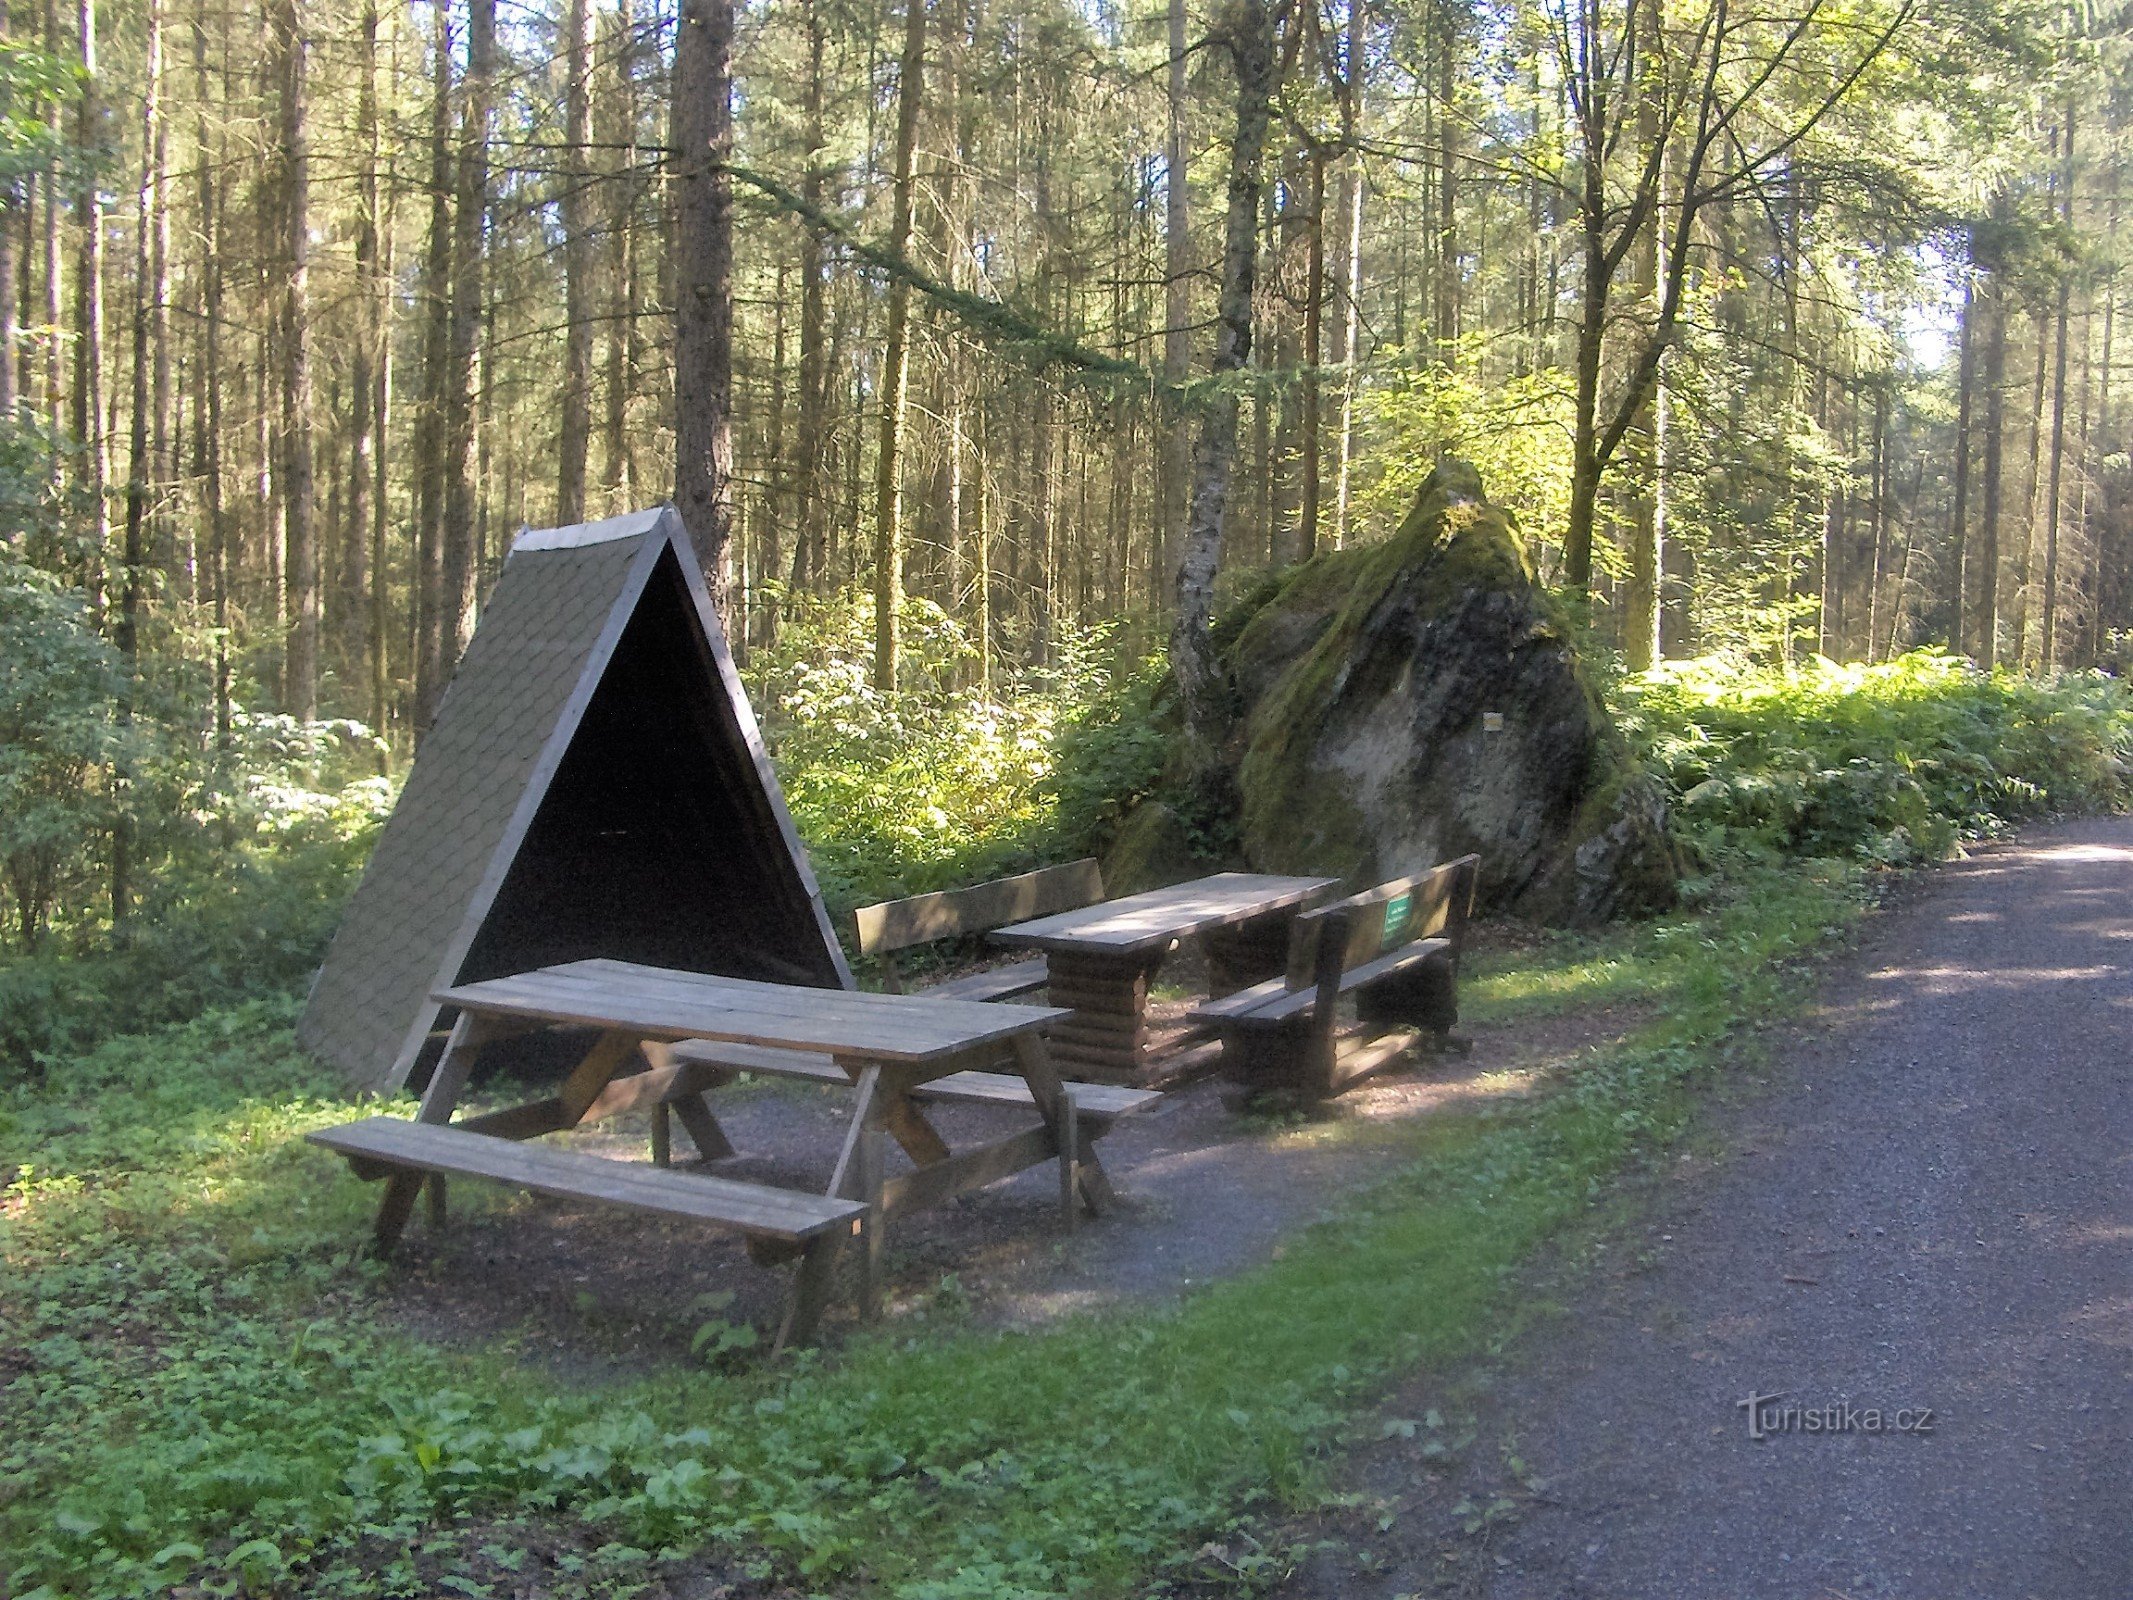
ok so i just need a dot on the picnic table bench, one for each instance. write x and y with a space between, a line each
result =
1395 948
1102 957
654 1033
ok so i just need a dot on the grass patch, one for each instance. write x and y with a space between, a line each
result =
200 1392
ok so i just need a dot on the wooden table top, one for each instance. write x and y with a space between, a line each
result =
1147 921
658 1003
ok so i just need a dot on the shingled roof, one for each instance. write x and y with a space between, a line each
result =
594 784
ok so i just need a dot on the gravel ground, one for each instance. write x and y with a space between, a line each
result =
1927 1203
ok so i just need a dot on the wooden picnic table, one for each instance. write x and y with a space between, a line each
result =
1103 957
888 1045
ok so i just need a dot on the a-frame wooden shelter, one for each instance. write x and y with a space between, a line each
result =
594 784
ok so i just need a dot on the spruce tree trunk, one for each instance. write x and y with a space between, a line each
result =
367 347
1313 420
1448 285
207 430
896 363
575 427
458 534
1349 327
1988 554
1640 609
2048 641
14 199
55 382
1177 302
616 476
88 388
298 488
810 484
2026 555
428 617
1958 514
703 268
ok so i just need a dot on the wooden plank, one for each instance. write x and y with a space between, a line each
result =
1391 914
871 1164
973 1169
528 1121
1105 1066
704 1132
448 1079
999 1088
843 1175
810 1293
1296 1002
920 1140
1034 1059
1126 995
671 1081
762 1060
994 983
1148 921
589 1079
975 1087
921 919
1242 1001
967 1169
658 1004
427 1147
1371 1054
1099 1027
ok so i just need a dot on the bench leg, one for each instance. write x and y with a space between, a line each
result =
1035 1063
869 1177
402 1189
1069 1162
810 1294
921 1141
704 1132
662 1135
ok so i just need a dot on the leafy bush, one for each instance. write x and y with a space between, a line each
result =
941 783
255 848
1889 763
1110 754
59 740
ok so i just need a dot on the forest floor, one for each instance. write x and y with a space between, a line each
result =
1480 1328
1922 1199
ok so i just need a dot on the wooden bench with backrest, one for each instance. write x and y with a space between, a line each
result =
884 931
1395 949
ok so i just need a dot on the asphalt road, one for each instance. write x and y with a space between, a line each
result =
1927 1209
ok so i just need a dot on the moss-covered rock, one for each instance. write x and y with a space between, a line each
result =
1410 701
1154 848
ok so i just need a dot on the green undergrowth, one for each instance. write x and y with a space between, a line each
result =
202 1389
1890 763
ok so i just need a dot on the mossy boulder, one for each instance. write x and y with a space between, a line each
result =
1407 702
1153 849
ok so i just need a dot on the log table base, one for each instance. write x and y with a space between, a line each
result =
1103 1040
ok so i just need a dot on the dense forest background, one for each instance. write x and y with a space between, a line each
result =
1785 330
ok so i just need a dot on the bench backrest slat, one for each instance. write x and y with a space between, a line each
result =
1426 905
899 924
